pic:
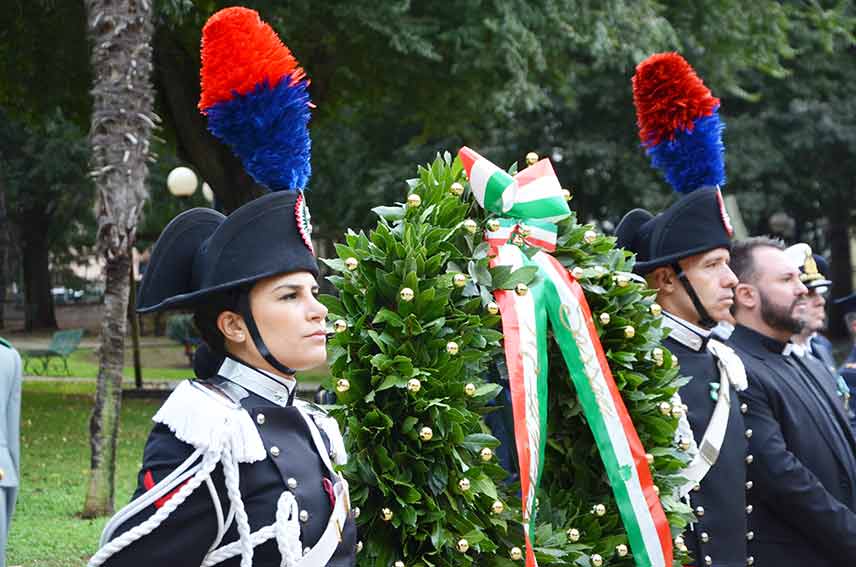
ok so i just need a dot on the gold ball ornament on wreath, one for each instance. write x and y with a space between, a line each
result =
470 390
464 484
531 158
456 189
567 195
573 535
460 280
629 331
486 454
622 281
386 514
521 289
493 225
665 408
577 272
406 294
463 545
351 263
677 411
515 553
589 236
649 458
342 385
452 348
426 434
470 226
621 550
596 560
399 564
497 507
656 310
604 318
599 510
414 385
414 200
492 308
340 326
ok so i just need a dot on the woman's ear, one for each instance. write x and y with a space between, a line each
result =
232 326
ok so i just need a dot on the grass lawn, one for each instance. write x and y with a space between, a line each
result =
161 362
46 531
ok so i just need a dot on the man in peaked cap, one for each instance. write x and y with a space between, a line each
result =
684 254
812 269
813 344
803 466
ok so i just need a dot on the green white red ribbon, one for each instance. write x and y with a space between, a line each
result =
533 198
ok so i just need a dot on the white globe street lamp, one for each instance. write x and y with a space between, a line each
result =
207 192
182 182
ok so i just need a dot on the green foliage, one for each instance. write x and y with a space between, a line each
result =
646 378
46 529
389 341
43 169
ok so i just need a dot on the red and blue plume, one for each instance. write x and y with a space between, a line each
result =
679 123
255 96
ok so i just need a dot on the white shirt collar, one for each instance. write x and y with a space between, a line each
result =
272 388
689 335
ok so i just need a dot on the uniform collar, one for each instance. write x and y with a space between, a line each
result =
684 332
275 389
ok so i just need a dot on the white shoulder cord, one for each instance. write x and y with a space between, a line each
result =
203 474
209 462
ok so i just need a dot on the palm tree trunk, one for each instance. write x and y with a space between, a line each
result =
122 122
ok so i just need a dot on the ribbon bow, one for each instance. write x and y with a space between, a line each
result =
529 205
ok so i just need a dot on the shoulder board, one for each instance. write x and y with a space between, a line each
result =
5 343
206 417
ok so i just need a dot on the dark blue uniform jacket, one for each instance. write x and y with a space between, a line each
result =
803 468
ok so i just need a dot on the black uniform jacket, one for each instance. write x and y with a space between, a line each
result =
292 463
718 536
803 468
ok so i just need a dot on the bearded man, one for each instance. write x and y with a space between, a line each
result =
802 461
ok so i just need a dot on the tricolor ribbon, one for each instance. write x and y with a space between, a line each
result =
529 204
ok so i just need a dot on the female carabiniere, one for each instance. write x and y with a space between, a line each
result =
236 470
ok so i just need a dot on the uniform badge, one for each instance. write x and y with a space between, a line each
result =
726 220
304 221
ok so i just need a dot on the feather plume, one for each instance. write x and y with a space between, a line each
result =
679 123
256 98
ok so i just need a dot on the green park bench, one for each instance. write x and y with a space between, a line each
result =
63 343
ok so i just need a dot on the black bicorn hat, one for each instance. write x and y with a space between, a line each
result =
694 224
680 129
255 97
202 252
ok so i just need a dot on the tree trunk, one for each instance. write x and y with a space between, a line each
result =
104 422
178 80
39 307
839 262
122 121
